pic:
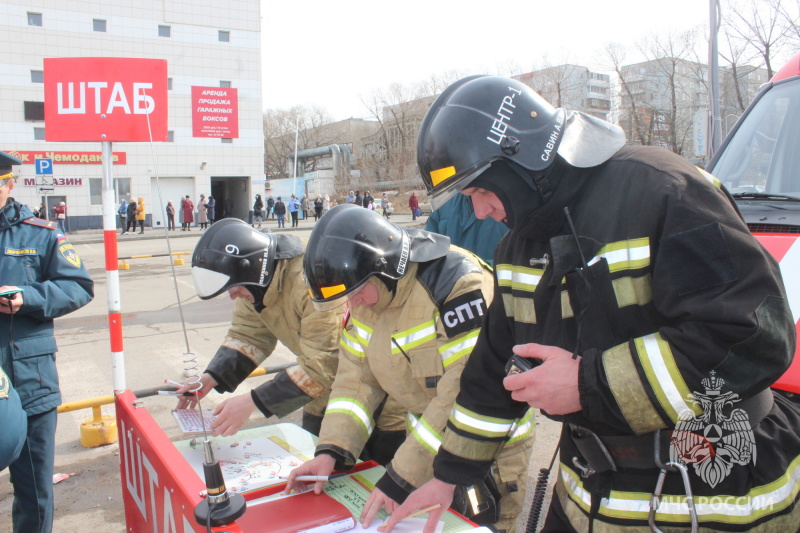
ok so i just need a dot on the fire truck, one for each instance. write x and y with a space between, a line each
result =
759 163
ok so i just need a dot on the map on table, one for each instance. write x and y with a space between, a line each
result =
248 464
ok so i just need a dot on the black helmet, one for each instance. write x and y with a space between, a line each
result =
232 253
349 245
482 119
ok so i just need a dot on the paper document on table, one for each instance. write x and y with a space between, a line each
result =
353 491
189 420
407 525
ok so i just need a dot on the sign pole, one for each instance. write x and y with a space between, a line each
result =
112 271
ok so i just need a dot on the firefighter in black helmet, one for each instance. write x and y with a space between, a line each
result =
641 299
416 305
263 273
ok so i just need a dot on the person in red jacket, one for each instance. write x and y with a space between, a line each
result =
187 206
413 204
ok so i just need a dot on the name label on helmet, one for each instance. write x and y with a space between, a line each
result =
553 140
264 264
463 313
403 262
499 126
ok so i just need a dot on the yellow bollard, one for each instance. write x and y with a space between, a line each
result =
99 430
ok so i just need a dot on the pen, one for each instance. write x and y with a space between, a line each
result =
413 515
173 393
306 478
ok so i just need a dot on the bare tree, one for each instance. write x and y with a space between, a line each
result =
280 126
678 86
389 159
761 26
631 111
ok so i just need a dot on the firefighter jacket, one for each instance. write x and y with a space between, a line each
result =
411 347
678 306
40 260
288 316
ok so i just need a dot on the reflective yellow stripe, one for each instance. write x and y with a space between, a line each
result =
424 433
625 255
486 426
518 278
349 343
633 291
710 177
759 502
453 351
664 377
566 305
519 308
363 332
353 409
438 176
411 338
629 391
525 426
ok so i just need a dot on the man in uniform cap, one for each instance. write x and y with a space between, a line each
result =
43 279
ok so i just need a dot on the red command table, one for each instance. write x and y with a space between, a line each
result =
161 486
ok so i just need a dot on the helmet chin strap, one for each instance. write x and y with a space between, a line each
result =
521 192
258 293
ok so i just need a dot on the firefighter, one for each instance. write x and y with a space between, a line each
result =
263 273
656 320
416 305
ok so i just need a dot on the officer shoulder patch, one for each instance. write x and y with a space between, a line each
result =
33 221
69 253
463 313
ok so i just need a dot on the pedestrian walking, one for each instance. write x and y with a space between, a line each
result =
317 208
280 212
131 218
122 211
202 212
304 206
294 208
140 215
211 209
187 207
413 204
258 211
170 216
60 214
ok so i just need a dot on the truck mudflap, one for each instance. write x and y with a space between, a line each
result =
786 249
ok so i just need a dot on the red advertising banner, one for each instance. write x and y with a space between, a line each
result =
105 99
215 112
69 158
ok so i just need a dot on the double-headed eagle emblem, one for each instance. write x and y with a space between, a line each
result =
718 438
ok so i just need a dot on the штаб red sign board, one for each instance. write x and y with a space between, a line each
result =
105 99
215 112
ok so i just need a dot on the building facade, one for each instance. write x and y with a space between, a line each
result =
206 46
572 87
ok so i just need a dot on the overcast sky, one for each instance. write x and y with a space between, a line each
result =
332 53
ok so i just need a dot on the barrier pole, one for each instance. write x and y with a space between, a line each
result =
112 271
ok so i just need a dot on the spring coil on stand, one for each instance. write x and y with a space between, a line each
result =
191 372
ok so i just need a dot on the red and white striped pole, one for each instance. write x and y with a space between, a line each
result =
112 271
